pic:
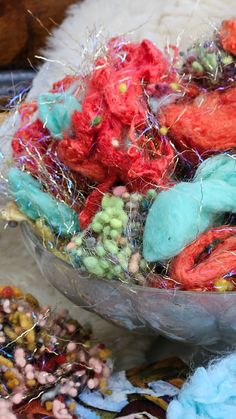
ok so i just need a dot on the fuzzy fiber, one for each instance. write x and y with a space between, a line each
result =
175 20
209 394
189 208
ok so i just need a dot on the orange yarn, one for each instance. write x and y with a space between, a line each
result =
228 35
204 125
211 256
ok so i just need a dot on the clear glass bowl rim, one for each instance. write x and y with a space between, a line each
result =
28 231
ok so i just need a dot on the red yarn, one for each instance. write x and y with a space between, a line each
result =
93 202
228 35
112 134
108 134
204 125
29 146
211 256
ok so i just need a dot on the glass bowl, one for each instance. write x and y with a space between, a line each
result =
199 318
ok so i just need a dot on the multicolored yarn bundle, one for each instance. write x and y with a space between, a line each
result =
46 359
104 163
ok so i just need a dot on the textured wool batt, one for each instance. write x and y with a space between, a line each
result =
211 256
55 110
210 393
204 125
36 203
105 132
181 213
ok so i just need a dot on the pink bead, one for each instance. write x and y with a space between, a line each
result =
30 375
72 392
42 377
6 306
59 410
119 190
96 365
71 246
71 347
71 327
82 356
20 352
91 384
17 398
29 367
106 372
51 379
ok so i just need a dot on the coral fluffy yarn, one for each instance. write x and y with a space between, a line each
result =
228 35
114 137
108 133
204 125
211 256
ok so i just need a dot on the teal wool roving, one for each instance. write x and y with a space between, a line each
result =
209 394
181 213
55 111
35 203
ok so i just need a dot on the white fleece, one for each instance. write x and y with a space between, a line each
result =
180 21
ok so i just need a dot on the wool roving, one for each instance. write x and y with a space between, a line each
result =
36 203
209 394
181 213
203 125
55 111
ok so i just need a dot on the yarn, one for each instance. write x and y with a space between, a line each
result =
211 256
36 203
181 213
45 356
228 35
208 64
108 248
112 134
204 125
210 393
55 111
136 120
29 146
107 133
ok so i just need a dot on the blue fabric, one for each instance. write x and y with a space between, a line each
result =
181 213
121 388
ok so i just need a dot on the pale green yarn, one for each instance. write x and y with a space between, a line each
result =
181 213
35 203
55 111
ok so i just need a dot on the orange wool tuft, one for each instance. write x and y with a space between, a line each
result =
211 256
204 125
228 35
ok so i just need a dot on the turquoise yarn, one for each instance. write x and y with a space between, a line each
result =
55 111
181 213
35 203
209 394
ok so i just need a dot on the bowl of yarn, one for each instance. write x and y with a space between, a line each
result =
124 179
